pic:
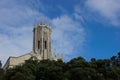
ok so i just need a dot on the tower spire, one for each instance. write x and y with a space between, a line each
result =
55 55
42 22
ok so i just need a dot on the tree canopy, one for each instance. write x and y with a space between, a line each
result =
76 69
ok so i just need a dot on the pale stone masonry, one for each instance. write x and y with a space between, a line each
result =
42 41
41 47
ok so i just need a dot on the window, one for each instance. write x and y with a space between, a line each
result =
45 44
38 44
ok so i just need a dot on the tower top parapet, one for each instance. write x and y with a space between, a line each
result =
43 24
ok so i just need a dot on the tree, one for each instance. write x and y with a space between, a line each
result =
81 59
76 69
118 54
22 76
0 65
19 73
93 59
118 59
114 60
77 62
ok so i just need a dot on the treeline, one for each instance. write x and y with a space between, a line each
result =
76 69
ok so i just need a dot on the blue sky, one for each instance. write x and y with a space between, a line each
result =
88 28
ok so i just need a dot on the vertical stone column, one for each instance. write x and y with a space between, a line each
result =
50 50
42 42
48 53
36 40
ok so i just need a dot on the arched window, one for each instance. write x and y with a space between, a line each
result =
45 44
38 44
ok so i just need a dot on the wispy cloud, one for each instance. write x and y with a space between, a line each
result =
17 21
79 13
16 24
109 9
68 34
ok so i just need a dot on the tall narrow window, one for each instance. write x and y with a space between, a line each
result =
38 44
45 44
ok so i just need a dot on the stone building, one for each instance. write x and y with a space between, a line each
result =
41 47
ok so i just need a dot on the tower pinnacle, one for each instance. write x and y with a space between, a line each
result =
42 22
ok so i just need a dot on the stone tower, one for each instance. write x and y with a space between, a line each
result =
42 40
41 48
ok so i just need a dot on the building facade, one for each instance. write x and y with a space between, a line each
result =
42 41
42 47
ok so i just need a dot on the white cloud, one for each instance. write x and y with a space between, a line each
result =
18 43
16 24
78 13
68 34
109 9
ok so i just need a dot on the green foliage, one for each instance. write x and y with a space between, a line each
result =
0 64
75 69
2 75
